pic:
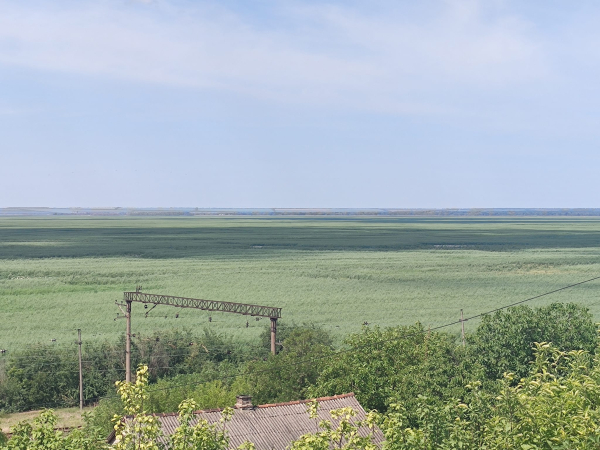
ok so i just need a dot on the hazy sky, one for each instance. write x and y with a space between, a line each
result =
300 103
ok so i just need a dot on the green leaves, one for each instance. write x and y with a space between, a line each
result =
202 436
398 363
556 407
141 431
345 435
42 435
288 375
504 341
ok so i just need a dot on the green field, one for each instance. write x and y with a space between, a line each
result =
58 274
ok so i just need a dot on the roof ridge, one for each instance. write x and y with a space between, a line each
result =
266 405
299 402
269 405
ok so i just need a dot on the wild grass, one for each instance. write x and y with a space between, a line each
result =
59 274
67 418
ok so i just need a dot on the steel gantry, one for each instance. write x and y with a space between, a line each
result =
185 302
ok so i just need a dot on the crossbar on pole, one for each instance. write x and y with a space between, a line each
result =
205 305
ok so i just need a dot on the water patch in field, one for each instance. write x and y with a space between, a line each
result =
450 246
31 243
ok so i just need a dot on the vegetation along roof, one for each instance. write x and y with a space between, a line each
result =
272 426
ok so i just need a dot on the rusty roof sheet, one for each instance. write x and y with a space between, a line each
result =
273 426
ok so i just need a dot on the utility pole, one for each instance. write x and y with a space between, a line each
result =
273 334
128 344
462 323
80 371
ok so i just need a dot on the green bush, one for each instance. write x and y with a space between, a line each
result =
504 341
47 376
289 374
401 362
557 406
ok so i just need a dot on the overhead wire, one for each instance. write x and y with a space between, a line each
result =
344 351
339 353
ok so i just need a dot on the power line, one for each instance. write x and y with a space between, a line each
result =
341 352
204 350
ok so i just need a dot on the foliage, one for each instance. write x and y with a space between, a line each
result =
34 378
400 362
504 341
284 330
140 431
205 388
47 375
102 415
556 407
289 374
346 434
202 436
42 435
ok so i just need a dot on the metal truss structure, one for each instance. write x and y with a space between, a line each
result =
205 305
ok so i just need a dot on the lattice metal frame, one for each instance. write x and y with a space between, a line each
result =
205 305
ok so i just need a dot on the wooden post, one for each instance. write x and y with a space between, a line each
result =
273 334
462 323
128 344
80 371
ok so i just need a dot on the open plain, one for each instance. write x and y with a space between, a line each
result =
58 274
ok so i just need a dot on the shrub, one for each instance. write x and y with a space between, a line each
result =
504 341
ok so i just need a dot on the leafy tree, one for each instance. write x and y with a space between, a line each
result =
48 375
504 341
289 374
556 407
141 431
401 362
346 435
202 436
101 417
285 330
42 435
39 377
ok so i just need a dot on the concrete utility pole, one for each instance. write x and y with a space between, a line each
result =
80 371
462 324
273 334
128 344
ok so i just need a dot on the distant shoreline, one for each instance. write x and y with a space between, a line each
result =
244 212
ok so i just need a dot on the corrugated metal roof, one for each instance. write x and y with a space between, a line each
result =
273 426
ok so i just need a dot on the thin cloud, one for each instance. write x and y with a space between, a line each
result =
391 60
436 58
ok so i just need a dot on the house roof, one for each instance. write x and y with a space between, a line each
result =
272 426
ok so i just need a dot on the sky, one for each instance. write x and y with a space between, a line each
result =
249 104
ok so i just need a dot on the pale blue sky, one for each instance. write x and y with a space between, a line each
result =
300 104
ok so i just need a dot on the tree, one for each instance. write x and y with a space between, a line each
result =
289 374
504 341
202 436
141 431
42 435
556 407
346 435
400 362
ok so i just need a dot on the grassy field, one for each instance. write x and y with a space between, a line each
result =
67 418
58 274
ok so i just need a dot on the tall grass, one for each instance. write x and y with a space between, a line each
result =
60 274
